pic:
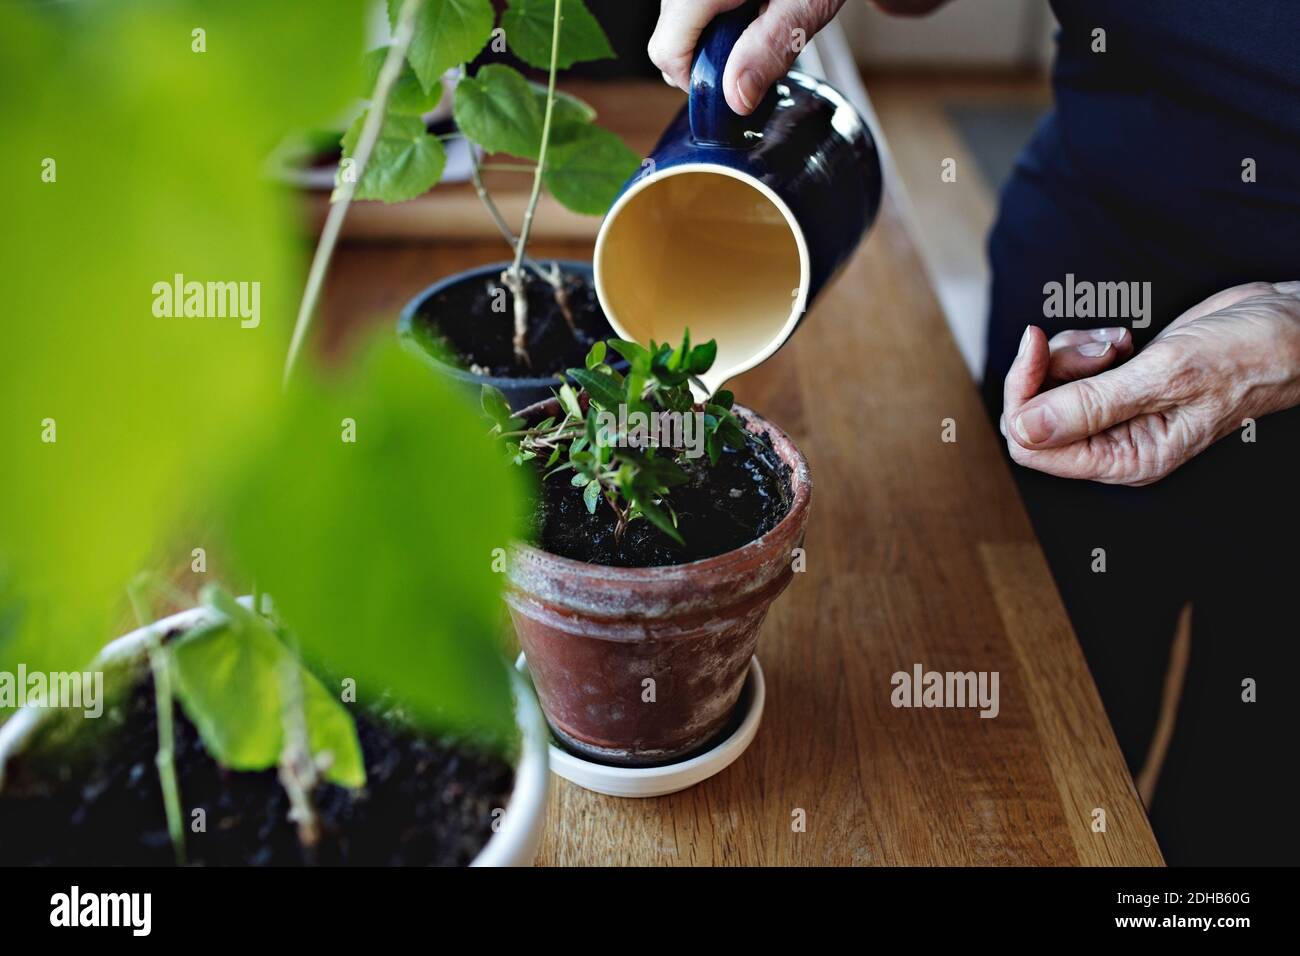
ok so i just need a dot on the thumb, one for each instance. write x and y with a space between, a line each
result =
1088 406
769 46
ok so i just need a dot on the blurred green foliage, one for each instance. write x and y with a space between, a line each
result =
135 157
155 153
378 551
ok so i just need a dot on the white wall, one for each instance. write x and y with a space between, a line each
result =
962 34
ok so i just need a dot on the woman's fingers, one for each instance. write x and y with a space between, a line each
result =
1027 373
1076 410
1080 353
672 47
766 50
762 55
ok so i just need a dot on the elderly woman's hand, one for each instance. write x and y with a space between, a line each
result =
1071 409
762 55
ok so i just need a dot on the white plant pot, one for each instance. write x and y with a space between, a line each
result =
518 831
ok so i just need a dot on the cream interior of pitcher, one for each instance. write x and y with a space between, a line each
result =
709 249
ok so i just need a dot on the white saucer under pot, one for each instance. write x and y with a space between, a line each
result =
669 778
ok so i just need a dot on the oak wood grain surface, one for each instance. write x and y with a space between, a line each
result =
918 551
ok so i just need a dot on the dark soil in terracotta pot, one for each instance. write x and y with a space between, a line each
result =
689 618
723 507
462 321
425 802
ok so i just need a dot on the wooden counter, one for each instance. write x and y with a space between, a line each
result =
918 551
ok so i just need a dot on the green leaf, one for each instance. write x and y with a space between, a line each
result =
332 734
497 109
406 161
637 355
377 551
656 516
586 170
447 34
596 356
731 432
681 357
495 406
602 389
530 24
723 398
591 496
407 95
570 114
229 682
702 357
226 682
569 400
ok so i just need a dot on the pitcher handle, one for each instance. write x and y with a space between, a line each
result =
713 123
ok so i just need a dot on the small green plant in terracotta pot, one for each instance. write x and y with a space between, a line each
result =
664 529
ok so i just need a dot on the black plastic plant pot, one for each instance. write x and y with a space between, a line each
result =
416 328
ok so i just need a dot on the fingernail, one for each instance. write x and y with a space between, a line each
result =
1036 425
747 89
1024 340
1108 335
1094 349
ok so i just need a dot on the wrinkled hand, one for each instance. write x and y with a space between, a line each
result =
1074 407
762 55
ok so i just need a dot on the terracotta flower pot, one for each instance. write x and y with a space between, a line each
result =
594 635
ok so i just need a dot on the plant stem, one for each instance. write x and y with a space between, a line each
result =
388 75
160 664
551 276
297 770
522 245
476 174
164 759
513 277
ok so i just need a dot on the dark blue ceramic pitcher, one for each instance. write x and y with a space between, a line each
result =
735 224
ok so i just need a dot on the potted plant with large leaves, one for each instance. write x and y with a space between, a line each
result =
370 718
404 742
663 530
513 324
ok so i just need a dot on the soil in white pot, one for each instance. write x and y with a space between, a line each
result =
96 800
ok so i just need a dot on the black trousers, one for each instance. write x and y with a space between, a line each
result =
1222 533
